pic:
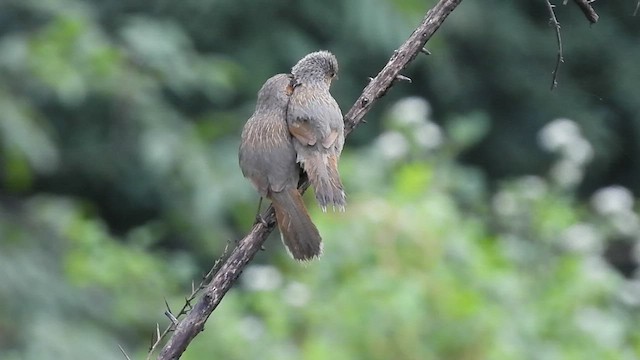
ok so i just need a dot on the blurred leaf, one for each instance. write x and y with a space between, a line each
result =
466 131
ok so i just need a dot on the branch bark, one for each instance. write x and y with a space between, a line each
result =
193 322
588 10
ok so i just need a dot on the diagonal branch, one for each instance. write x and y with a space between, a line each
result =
212 294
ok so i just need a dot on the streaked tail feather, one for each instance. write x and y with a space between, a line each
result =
325 179
299 235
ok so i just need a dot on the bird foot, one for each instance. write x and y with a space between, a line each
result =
260 220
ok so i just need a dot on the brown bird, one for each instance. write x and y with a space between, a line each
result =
268 160
315 121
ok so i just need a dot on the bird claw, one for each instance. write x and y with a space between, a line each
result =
260 220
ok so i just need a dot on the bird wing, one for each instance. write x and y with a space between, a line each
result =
313 118
303 131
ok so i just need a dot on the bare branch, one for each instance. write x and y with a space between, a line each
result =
193 323
554 21
635 12
587 10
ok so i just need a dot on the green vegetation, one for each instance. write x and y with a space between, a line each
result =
488 217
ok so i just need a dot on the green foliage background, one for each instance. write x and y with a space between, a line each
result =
488 217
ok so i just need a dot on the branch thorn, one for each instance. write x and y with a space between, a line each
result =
403 78
173 319
124 353
167 305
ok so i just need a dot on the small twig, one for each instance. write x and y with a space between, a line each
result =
554 21
635 12
425 51
587 10
124 353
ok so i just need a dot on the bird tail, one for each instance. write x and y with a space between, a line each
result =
322 170
299 235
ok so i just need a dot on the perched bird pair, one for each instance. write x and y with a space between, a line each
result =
297 124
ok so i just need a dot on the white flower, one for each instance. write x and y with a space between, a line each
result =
532 187
296 294
505 203
580 151
558 134
251 328
603 328
428 135
629 292
393 145
567 173
626 223
261 278
582 238
411 112
612 200
563 136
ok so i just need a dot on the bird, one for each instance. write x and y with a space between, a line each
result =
268 158
315 122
